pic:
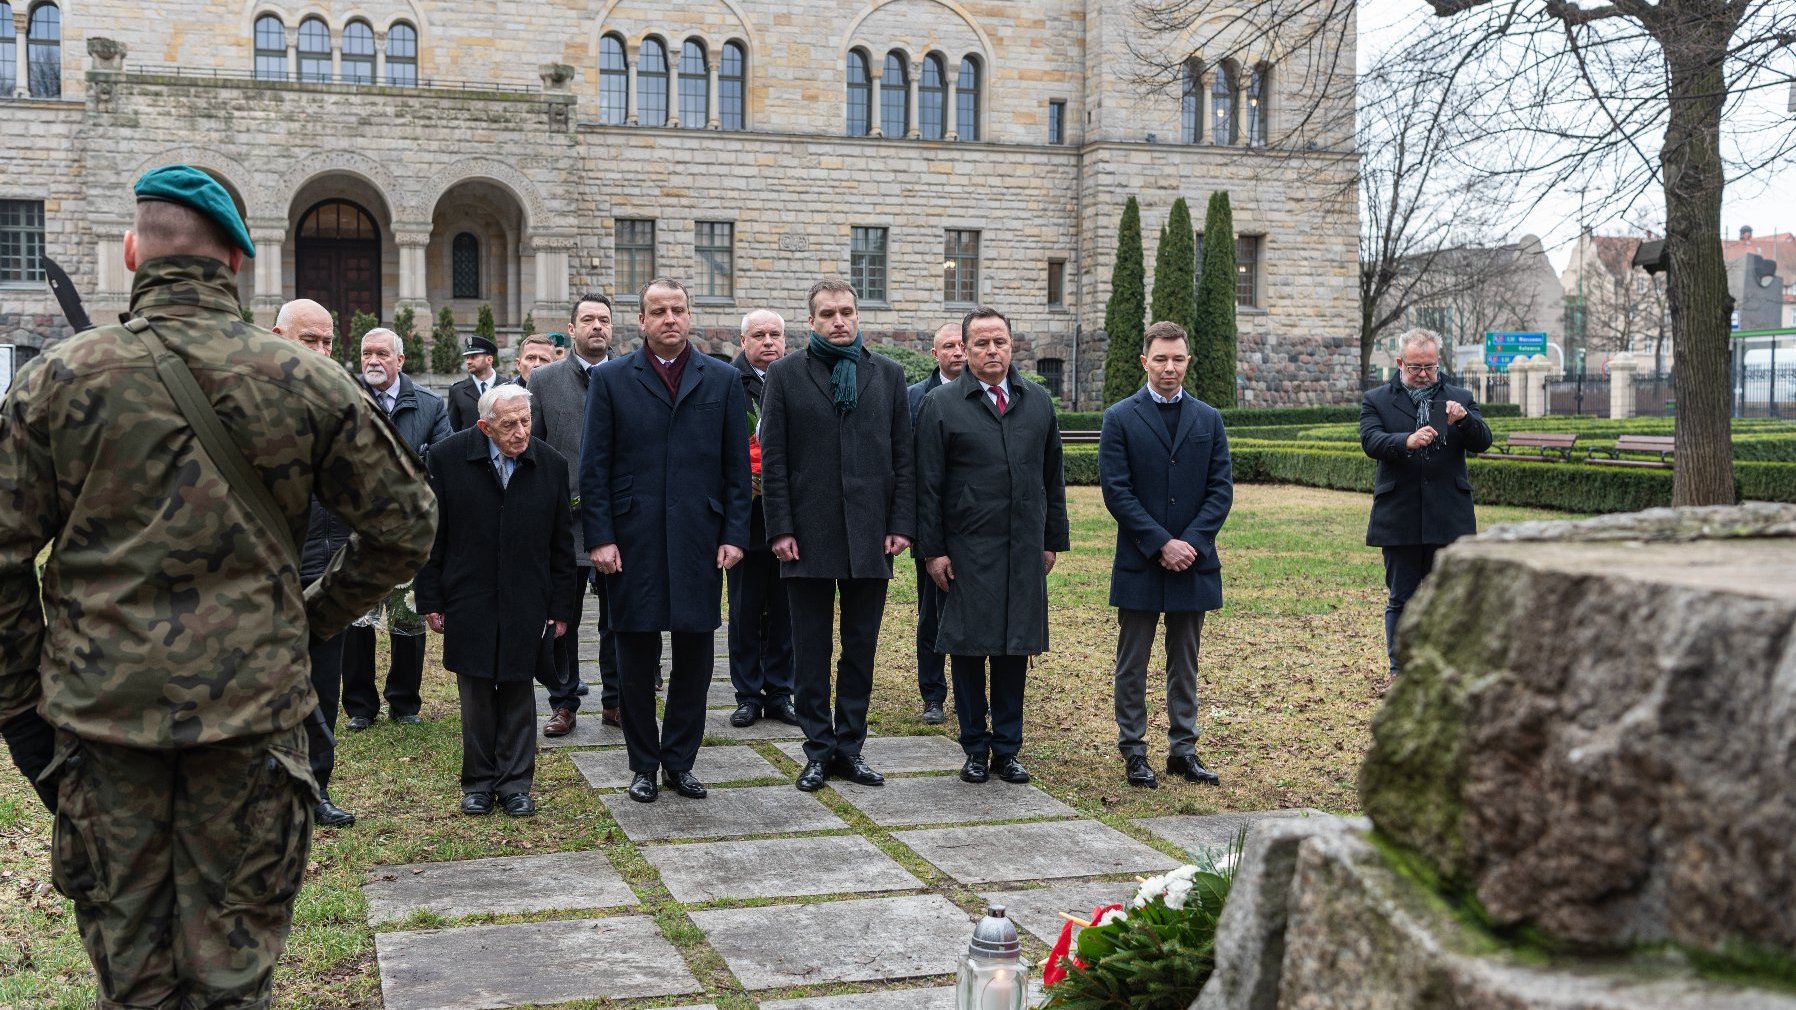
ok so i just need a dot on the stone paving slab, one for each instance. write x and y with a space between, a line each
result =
775 946
721 693
506 885
990 853
899 753
487 967
776 868
1213 833
610 769
588 732
930 998
1038 910
941 799
757 810
717 723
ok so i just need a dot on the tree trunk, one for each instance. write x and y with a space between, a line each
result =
1695 50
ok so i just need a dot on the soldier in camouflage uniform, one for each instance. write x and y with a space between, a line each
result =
170 649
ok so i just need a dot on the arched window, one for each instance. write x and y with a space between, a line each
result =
1191 103
358 53
464 263
614 81
1223 128
9 53
1257 92
314 51
894 97
732 87
860 95
402 54
651 84
966 100
695 86
44 53
271 49
932 91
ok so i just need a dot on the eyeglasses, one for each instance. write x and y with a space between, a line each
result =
1421 369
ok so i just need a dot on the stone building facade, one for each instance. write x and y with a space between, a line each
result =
391 153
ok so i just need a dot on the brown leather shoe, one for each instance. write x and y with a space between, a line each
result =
561 723
608 717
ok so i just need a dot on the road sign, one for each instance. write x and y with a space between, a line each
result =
1501 347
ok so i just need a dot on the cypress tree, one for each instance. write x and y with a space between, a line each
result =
445 346
1212 375
529 323
1123 323
1175 273
483 323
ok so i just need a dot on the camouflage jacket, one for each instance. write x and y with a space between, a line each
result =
169 617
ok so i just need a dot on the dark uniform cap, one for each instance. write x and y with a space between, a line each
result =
193 188
558 338
479 345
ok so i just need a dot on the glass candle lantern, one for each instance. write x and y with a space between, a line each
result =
993 975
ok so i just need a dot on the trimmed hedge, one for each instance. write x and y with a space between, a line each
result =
1239 417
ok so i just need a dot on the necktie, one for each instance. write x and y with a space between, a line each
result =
389 401
480 385
504 465
998 395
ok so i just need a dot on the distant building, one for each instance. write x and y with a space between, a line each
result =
1464 292
1767 305
1612 305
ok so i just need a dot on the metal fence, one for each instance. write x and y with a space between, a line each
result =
1765 390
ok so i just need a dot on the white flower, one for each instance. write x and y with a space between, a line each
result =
1185 873
1151 888
1114 915
1176 892
1226 863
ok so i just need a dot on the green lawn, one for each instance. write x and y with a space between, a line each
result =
1292 670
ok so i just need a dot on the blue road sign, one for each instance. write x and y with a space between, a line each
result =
1502 347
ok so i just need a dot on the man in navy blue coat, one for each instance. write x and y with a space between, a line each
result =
1163 461
664 498
950 354
1418 428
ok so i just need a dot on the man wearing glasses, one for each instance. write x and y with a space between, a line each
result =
1419 429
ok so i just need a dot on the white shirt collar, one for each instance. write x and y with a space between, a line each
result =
760 373
1174 398
583 362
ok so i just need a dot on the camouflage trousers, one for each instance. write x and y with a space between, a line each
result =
183 865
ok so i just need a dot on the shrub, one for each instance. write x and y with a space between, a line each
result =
1175 282
445 346
1123 323
917 365
405 323
1765 481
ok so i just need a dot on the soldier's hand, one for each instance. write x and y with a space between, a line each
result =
607 560
435 621
1176 555
785 548
1455 412
1047 562
727 556
560 628
1420 437
941 570
895 544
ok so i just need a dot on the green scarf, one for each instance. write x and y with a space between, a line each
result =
843 360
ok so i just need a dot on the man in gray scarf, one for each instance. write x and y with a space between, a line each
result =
1419 429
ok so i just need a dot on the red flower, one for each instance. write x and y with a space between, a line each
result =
1054 970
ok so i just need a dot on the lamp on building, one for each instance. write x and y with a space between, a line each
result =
993 975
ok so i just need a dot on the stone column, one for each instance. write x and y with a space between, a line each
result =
873 129
380 58
1621 385
716 120
630 117
270 237
1477 377
551 273
413 242
951 110
336 56
293 53
21 24
673 88
916 72
1534 402
1517 380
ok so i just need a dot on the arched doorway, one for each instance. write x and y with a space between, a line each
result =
337 259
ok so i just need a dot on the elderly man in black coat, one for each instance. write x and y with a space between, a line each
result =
991 517
664 494
1419 429
839 480
499 587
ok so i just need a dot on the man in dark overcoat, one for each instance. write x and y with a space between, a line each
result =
991 516
664 494
950 354
760 622
499 587
1419 429
839 480
1163 462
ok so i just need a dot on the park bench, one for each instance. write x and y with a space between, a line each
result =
1652 445
1079 436
1543 445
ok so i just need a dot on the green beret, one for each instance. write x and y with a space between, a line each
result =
559 339
193 188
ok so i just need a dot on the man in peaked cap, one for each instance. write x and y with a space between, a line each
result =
176 682
464 396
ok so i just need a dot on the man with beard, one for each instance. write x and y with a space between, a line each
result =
464 396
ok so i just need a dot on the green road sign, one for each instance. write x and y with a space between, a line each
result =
1502 346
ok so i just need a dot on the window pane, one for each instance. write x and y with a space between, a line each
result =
465 256
894 98
960 266
1247 270
715 248
314 51
1191 104
867 263
931 92
860 96
614 81
1053 374
732 88
1222 105
9 55
651 84
358 53
635 253
21 240
402 55
695 87
1057 122
1057 283
966 101
1256 108
44 52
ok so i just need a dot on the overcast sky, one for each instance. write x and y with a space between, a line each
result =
1766 201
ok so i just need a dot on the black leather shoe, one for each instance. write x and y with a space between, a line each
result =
1192 769
782 711
1010 770
329 815
683 783
518 805
1139 774
745 715
642 788
811 779
477 804
582 690
855 770
974 771
933 714
357 723
409 720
